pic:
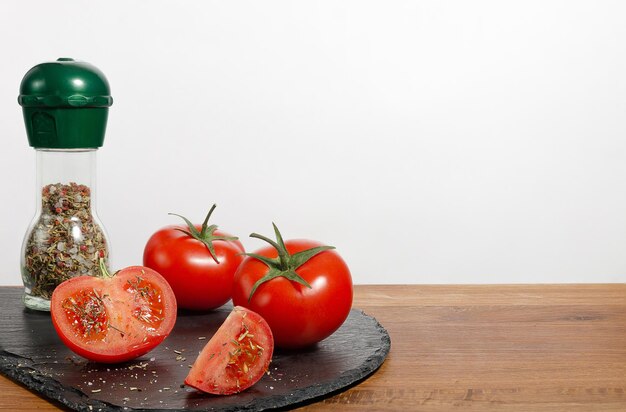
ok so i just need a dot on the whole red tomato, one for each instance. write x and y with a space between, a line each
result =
300 287
114 318
198 261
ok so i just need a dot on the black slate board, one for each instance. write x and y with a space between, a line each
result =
32 353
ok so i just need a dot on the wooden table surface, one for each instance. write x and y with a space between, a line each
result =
482 347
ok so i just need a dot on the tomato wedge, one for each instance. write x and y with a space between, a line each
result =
114 318
236 357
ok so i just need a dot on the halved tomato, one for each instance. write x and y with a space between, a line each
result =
115 318
236 357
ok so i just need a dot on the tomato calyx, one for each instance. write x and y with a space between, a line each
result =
104 270
285 264
206 234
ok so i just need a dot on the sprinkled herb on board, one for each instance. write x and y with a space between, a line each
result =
65 242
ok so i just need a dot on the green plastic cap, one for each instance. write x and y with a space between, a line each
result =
65 105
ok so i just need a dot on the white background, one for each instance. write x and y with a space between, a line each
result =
430 142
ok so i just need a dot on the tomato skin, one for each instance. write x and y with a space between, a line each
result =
138 312
236 357
199 283
297 315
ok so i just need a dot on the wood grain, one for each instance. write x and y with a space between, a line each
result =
482 347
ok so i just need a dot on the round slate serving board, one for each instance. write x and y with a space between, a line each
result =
32 353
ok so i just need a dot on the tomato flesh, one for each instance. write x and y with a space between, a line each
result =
148 305
86 313
245 353
114 319
236 356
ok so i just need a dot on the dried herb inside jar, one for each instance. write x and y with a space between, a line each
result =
65 242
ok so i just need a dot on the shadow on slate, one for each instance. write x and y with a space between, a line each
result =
32 353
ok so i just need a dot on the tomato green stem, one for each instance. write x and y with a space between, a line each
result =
283 254
206 220
103 269
286 264
206 234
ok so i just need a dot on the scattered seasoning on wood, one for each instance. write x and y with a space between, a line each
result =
65 242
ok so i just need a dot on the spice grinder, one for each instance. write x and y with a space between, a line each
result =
65 104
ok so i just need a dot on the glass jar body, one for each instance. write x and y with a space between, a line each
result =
65 239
